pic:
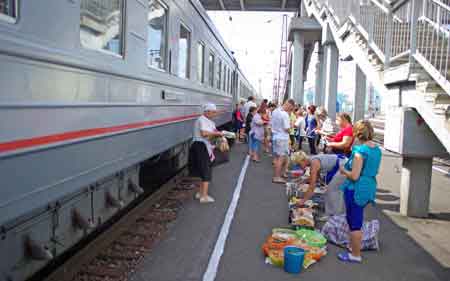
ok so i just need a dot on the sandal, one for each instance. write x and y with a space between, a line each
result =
345 257
279 180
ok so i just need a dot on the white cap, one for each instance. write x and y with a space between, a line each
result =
209 107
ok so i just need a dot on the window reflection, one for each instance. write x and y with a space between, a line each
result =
200 64
211 70
224 77
219 75
101 25
157 29
184 46
8 8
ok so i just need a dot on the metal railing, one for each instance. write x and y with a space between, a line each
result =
400 31
433 35
101 9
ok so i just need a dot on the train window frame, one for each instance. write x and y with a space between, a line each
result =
167 52
10 19
189 51
211 69
123 33
201 69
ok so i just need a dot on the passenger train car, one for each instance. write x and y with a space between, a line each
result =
93 94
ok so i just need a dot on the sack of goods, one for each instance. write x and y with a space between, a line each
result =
312 242
336 230
302 217
222 144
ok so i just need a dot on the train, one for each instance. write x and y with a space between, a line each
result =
98 101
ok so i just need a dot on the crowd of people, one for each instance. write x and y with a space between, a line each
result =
340 154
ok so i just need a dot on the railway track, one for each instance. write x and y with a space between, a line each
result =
114 253
378 125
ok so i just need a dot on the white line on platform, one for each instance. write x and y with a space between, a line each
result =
213 265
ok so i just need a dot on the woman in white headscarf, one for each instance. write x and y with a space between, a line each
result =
201 153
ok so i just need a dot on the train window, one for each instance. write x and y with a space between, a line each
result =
157 34
219 75
200 62
184 51
8 10
229 81
224 77
211 69
101 25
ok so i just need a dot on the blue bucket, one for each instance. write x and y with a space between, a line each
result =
293 259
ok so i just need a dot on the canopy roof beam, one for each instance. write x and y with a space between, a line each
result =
222 5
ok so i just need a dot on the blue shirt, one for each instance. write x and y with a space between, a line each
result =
365 186
311 125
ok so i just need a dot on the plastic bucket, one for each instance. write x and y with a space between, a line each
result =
293 259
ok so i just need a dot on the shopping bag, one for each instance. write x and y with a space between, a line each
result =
336 231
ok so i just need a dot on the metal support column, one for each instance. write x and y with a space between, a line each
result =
318 95
331 68
359 98
415 186
297 68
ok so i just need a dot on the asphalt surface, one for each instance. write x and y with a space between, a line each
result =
185 253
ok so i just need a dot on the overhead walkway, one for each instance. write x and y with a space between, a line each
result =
403 49
189 252
251 5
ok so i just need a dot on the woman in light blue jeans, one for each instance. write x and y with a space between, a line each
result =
256 135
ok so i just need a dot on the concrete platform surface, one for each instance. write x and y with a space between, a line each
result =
185 253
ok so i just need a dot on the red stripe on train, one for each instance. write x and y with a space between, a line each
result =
61 137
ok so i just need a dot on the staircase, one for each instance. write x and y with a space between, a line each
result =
403 41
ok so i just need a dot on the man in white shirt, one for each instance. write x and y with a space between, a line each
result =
280 130
249 104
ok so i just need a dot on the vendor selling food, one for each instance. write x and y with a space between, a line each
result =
201 154
325 166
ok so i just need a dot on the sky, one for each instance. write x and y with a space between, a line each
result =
255 37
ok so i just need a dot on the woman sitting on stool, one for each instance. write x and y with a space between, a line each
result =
342 142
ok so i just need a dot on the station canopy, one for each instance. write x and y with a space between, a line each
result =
251 5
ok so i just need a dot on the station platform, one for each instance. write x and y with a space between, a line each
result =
194 242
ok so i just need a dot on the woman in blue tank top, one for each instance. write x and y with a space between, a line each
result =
311 125
360 186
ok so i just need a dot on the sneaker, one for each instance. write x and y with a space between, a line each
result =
207 199
197 195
